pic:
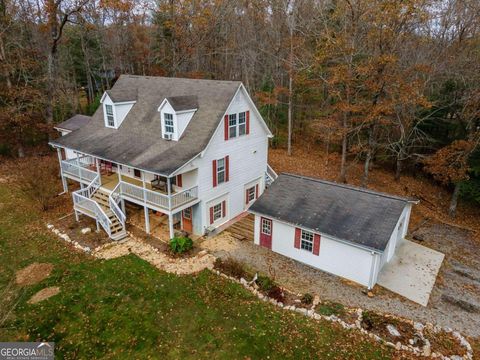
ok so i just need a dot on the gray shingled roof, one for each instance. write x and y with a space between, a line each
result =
74 123
121 94
138 141
180 103
348 213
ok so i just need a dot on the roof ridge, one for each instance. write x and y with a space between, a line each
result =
175 77
351 187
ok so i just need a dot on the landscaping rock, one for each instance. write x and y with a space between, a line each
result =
370 294
393 330
86 230
427 350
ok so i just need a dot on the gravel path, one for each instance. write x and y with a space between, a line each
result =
195 264
300 278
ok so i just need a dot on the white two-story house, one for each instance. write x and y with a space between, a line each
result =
194 150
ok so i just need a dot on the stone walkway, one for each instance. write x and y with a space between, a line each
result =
133 245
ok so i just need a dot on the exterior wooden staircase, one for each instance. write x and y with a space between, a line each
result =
243 229
117 230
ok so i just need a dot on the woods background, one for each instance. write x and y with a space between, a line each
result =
395 83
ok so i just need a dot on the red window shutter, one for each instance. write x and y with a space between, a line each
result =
227 168
226 127
316 244
214 172
246 197
248 122
224 208
211 215
179 180
256 191
298 233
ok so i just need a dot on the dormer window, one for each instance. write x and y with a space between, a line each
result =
110 118
169 127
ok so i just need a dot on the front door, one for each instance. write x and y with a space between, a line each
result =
266 232
187 219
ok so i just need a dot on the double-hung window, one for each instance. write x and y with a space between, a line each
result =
232 125
217 212
168 123
306 241
242 124
220 171
110 118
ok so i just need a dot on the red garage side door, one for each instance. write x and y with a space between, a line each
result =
266 232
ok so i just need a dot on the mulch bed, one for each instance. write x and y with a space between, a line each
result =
444 343
377 324
73 229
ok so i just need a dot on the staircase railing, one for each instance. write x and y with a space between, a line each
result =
270 176
82 202
113 200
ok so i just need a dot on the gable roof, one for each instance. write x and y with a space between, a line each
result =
121 94
74 123
180 103
138 141
356 215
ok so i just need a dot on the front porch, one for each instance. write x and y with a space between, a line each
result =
106 187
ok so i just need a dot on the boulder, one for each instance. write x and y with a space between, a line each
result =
393 330
86 230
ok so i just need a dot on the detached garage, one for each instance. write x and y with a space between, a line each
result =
344 230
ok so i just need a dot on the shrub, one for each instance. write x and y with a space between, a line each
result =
265 283
37 178
181 245
328 309
231 267
307 299
276 293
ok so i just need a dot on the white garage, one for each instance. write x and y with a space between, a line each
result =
344 230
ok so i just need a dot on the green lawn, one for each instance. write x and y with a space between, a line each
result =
125 308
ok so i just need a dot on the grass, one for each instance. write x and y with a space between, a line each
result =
125 308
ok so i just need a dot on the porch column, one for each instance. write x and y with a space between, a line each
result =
79 167
97 163
147 215
170 215
64 181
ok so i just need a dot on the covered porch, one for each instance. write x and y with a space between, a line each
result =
153 192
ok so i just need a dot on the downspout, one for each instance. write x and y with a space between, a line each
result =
373 270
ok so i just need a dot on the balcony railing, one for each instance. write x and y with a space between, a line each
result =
158 199
77 170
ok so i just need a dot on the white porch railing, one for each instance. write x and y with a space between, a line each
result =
83 203
270 176
113 200
158 199
74 168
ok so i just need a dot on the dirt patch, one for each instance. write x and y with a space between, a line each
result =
444 343
33 273
44 294
93 239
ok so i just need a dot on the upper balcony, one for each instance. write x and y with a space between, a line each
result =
144 192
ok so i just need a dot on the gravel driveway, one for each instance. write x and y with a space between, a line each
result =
454 301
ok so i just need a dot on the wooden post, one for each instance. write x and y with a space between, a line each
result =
76 216
64 181
98 226
170 216
97 162
147 215
79 168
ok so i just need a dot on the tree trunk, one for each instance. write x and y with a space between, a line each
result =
290 94
50 86
368 158
454 200
343 164
398 169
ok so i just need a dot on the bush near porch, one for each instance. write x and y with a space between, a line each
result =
125 308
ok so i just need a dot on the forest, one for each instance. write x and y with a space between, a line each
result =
395 83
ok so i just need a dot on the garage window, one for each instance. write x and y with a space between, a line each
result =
307 241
